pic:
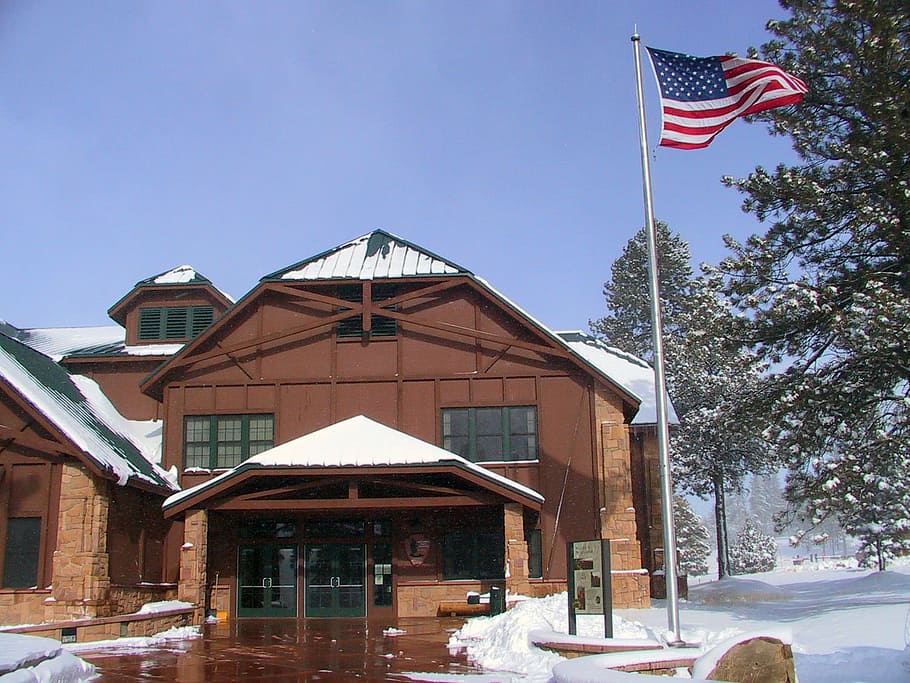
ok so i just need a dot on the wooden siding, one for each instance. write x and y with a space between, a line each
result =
465 351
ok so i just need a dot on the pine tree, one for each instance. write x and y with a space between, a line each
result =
753 551
716 444
627 324
765 501
826 289
692 542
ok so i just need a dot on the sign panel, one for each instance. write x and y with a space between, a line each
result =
590 590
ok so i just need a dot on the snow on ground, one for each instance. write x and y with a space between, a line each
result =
848 624
29 659
169 639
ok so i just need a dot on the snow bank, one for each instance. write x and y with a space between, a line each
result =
504 642
30 659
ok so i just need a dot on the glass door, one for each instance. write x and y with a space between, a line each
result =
267 581
335 580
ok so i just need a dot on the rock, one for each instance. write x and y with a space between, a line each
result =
761 659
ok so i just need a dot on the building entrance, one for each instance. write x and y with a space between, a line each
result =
267 580
335 580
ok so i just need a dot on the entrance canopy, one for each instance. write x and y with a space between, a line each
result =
356 464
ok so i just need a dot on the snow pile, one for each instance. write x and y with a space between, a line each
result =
503 642
29 659
137 644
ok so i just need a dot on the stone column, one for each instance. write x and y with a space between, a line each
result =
81 565
193 560
617 518
516 549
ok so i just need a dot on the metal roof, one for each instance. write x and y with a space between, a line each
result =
377 254
79 411
352 443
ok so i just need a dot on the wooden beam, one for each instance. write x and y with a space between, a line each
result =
347 504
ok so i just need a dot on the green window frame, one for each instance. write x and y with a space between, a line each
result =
380 325
473 554
20 557
174 322
223 441
504 433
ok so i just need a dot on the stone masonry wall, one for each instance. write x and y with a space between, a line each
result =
193 559
516 549
617 514
81 576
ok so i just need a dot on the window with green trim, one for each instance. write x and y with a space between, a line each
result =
174 322
380 325
223 441
491 434
20 558
473 554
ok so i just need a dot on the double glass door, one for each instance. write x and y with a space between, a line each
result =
335 580
267 580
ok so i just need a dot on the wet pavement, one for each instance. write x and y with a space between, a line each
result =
256 651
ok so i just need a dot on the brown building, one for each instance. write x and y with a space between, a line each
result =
375 431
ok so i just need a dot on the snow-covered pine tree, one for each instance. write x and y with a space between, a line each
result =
753 551
692 542
827 286
765 500
708 373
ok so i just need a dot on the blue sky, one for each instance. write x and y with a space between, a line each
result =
241 137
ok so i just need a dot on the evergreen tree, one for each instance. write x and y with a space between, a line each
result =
716 444
826 289
753 551
765 501
692 542
627 324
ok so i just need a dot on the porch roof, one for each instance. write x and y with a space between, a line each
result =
356 443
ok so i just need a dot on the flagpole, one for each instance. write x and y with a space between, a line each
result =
660 384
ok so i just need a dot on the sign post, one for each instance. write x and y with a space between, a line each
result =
590 584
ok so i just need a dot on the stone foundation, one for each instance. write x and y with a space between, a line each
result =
128 599
423 599
109 628
22 606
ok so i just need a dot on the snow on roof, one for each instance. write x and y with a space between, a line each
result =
377 254
80 410
357 442
108 340
631 373
57 342
178 275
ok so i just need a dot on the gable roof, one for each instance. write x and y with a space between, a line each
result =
357 442
184 276
377 254
382 255
76 406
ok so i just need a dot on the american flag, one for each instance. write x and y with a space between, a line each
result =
700 96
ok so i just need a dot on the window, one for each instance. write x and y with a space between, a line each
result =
20 559
535 554
490 434
473 554
380 326
174 322
222 441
